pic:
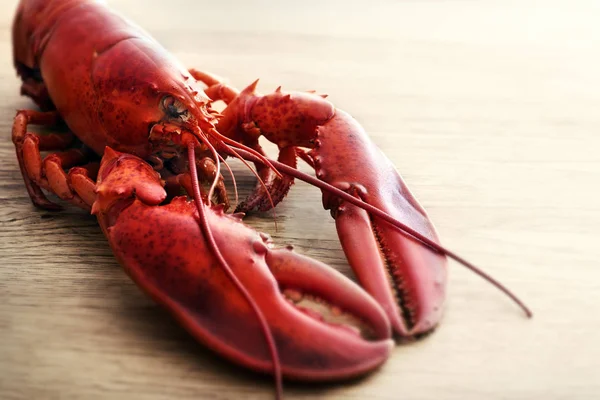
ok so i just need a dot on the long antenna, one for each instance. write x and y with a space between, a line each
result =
212 244
389 219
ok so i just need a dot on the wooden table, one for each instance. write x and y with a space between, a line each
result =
490 110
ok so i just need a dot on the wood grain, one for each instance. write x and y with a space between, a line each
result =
489 110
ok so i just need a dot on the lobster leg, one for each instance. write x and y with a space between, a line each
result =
207 170
217 89
164 251
276 187
82 180
45 142
48 173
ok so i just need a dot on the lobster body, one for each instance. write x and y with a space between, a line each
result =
105 76
115 86
125 98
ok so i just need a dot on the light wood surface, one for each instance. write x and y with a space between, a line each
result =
489 109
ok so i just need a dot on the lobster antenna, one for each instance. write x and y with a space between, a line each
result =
233 143
235 189
229 144
393 221
211 191
212 244
239 157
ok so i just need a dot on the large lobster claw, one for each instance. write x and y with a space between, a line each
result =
406 277
163 249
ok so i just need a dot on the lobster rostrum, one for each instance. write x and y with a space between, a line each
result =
125 99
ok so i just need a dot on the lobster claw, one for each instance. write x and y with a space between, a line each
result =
163 249
406 277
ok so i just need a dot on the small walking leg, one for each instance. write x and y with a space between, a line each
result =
49 173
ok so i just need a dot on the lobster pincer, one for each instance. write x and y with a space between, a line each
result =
165 252
387 237
406 278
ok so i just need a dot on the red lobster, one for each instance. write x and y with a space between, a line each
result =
114 87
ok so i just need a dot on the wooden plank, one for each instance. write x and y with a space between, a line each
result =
488 109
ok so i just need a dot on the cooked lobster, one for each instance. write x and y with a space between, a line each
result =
122 97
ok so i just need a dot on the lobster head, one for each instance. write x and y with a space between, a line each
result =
159 109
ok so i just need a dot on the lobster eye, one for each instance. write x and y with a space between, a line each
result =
174 108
